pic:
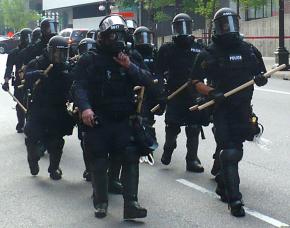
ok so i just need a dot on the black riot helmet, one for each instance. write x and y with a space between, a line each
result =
131 25
182 25
36 34
86 44
143 39
225 22
57 48
25 36
113 33
93 34
48 28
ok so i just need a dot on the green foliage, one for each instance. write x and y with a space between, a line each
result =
252 3
14 14
154 7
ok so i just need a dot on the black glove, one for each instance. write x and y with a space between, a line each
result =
217 96
5 86
260 80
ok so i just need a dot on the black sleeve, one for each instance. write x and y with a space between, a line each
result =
80 84
201 66
162 60
11 61
140 76
261 64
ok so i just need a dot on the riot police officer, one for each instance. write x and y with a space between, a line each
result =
36 35
227 63
143 43
15 58
48 28
105 98
93 34
48 120
174 62
86 45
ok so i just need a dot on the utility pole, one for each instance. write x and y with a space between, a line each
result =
178 6
281 54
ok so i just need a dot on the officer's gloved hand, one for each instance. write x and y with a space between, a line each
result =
260 80
217 96
5 86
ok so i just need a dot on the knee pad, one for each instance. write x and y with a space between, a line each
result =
131 155
192 130
231 155
172 129
99 165
55 144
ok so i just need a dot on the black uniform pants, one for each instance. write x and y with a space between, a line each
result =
231 128
38 135
114 140
192 135
19 94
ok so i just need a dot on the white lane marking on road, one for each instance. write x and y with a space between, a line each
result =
255 214
273 91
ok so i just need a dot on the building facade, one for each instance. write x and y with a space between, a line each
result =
85 14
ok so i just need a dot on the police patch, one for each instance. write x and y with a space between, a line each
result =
236 58
195 50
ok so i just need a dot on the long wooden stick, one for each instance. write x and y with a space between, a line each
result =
238 89
140 101
17 101
176 92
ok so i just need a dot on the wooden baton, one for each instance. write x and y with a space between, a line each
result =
238 89
154 109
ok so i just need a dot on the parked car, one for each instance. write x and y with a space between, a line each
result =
7 44
74 36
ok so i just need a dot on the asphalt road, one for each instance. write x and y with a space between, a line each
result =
173 197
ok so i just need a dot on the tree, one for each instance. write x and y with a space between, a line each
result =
15 14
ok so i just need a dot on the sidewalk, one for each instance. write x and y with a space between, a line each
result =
269 62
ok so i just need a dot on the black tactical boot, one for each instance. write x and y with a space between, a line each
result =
192 161
21 119
220 189
133 210
34 167
216 167
115 185
237 209
32 156
87 175
101 210
130 177
19 128
170 142
216 164
194 166
54 149
100 186
55 174
166 156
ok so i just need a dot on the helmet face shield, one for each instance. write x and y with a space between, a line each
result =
58 55
227 24
143 38
50 28
85 47
181 28
25 38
